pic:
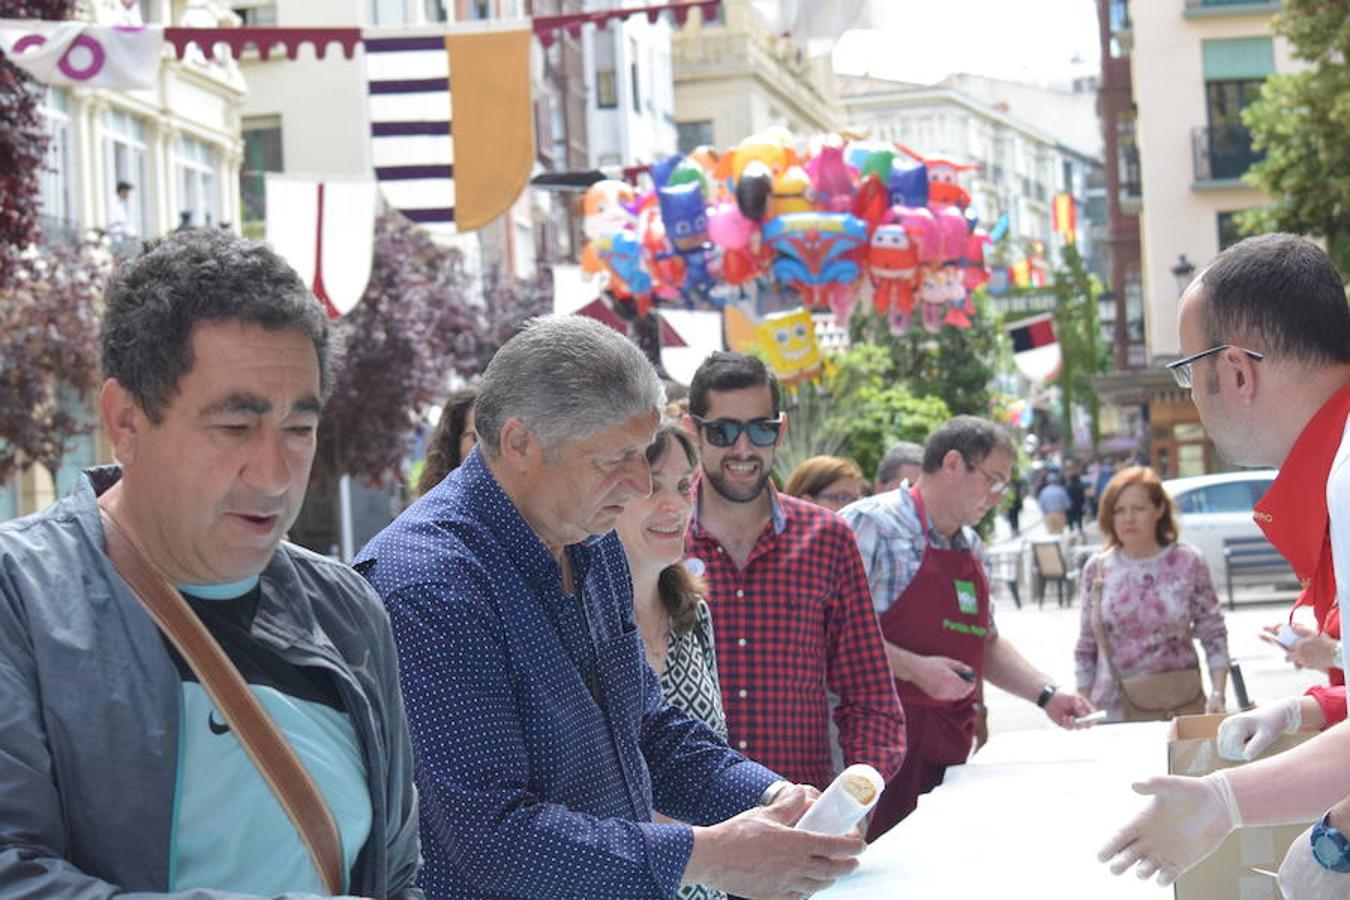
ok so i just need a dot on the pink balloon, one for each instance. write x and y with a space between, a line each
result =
728 228
922 227
952 232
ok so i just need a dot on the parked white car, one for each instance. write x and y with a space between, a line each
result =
1218 506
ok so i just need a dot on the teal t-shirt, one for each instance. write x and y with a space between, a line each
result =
230 832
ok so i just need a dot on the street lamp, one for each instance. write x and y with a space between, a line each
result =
1182 272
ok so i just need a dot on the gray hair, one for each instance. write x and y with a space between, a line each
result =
566 378
904 453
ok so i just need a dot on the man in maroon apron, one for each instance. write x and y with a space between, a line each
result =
932 597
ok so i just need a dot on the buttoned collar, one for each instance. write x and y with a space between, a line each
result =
777 515
479 497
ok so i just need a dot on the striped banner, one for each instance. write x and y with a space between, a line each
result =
411 144
452 121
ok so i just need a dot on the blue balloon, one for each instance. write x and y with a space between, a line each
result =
662 170
1000 228
909 187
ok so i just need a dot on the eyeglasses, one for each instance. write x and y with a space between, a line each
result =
1181 369
996 485
725 432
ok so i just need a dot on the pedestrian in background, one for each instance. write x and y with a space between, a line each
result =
829 481
1146 598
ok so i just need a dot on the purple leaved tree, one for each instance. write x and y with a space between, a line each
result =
49 351
23 141
418 322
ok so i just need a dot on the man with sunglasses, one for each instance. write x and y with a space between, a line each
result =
926 572
787 593
1264 334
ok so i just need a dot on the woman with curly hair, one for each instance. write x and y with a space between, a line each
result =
451 441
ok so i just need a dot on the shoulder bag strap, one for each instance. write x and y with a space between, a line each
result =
259 735
1098 585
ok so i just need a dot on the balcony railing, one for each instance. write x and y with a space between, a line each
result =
1223 152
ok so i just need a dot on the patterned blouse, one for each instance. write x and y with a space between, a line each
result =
1152 610
690 683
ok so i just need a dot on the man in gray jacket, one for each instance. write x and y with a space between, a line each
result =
117 774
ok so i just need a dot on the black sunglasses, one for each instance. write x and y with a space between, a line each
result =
724 432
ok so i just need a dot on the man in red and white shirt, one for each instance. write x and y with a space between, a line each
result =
791 610
1266 335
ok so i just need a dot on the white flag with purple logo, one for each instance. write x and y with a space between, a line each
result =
77 53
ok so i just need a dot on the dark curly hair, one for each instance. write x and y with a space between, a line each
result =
443 445
154 301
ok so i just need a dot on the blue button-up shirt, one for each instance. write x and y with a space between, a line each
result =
542 738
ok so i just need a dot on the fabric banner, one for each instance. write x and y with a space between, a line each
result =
77 53
1064 217
451 123
326 231
1036 350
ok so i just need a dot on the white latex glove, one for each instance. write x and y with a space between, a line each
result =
1303 878
1185 822
1247 735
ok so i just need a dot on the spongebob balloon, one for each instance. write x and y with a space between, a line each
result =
786 340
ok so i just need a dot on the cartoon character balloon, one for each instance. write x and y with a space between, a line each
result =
607 206
892 262
787 340
817 256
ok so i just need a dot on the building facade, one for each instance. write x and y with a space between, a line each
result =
1176 76
1022 166
176 145
733 78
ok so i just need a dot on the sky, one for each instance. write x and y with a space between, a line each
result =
1022 40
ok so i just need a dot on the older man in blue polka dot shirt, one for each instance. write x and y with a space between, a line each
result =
542 739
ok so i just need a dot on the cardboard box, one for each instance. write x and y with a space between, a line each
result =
1227 873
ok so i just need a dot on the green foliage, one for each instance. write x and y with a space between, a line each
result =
857 410
954 365
1079 339
1301 122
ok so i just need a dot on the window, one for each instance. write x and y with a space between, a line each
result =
482 9
126 162
262 154
634 75
57 178
1228 230
195 175
606 87
387 12
693 134
436 12
256 13
9 499
1230 496
80 452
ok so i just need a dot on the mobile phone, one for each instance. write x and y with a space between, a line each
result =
966 674
1097 715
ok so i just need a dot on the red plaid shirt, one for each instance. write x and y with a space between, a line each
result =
796 620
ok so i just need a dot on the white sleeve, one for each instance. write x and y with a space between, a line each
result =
1338 511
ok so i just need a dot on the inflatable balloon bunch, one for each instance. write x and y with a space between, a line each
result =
832 224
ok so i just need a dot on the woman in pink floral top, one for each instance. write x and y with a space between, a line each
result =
1157 596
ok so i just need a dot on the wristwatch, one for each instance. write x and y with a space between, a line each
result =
1046 693
1329 846
772 792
